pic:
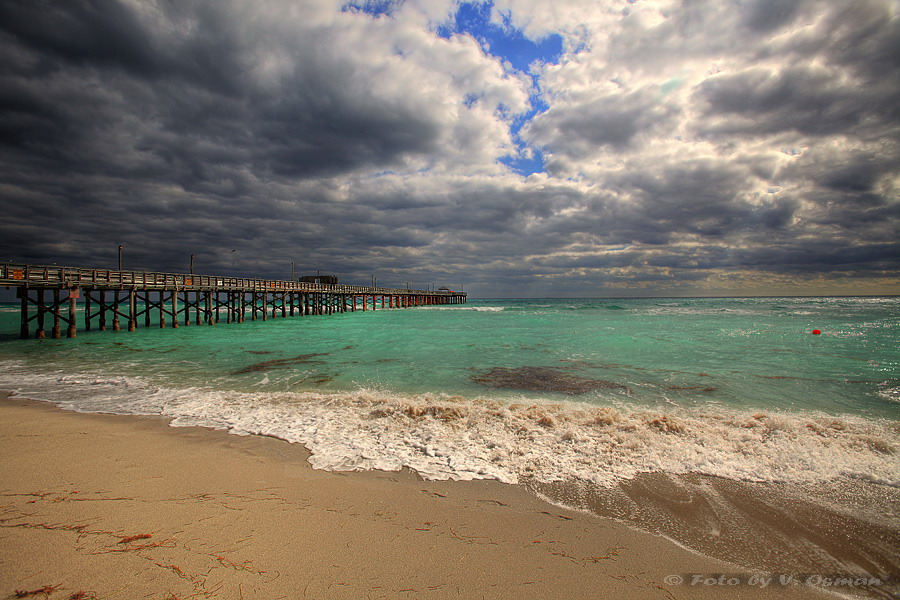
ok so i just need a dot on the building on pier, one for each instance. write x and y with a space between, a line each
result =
326 279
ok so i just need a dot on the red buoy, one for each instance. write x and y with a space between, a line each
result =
816 332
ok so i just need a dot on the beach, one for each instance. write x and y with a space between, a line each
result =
449 299
128 507
642 448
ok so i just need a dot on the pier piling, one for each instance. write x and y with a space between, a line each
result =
183 296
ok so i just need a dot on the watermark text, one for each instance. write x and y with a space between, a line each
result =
765 580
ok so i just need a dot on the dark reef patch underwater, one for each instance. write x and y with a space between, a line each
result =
543 379
282 363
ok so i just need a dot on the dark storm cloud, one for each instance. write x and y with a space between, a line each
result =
85 75
865 38
83 32
765 16
253 138
799 258
172 143
802 99
703 198
840 78
694 166
611 121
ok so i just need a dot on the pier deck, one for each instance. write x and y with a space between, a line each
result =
111 297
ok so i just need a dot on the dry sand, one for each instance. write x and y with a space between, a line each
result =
128 507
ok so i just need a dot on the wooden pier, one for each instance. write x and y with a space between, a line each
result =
114 299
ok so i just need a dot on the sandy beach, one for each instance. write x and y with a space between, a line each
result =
128 507
449 299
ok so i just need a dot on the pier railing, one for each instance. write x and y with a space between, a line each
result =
50 276
118 296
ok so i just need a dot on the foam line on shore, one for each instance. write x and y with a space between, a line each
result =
451 437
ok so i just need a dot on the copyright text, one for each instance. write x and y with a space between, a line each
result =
764 580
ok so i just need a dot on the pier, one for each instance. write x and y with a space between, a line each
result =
119 299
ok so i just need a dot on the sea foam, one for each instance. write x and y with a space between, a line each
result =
452 437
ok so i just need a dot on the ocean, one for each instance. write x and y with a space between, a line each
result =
542 392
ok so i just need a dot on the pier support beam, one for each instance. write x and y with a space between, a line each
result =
116 326
74 293
101 300
23 296
132 310
55 314
39 333
87 310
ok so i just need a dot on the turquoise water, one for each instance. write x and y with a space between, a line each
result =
721 386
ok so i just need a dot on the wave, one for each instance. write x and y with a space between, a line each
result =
472 308
451 437
889 392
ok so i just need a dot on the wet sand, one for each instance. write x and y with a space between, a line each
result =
127 507
837 529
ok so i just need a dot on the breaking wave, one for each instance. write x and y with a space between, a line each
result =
452 437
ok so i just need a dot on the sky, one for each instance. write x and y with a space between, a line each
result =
512 148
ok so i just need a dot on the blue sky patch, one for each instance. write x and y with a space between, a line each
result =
525 166
501 40
376 8
509 44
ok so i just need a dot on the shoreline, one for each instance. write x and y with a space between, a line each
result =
848 528
212 514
